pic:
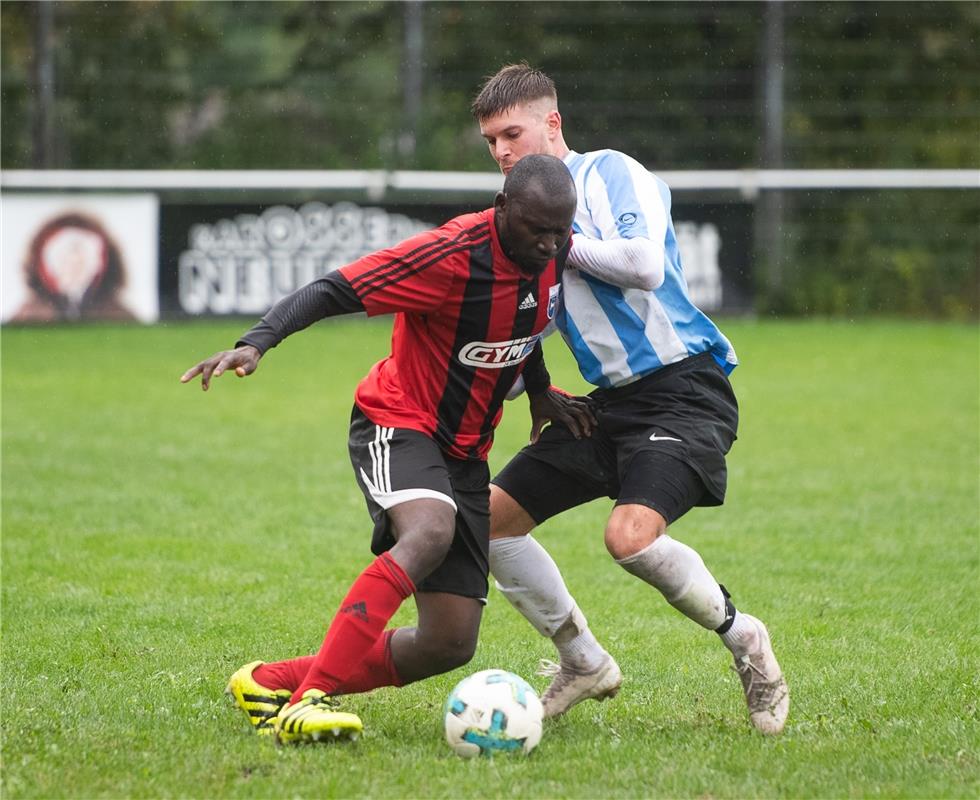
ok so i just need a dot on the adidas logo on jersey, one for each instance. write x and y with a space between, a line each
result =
528 302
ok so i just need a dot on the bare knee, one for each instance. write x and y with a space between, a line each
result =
447 652
631 528
507 516
445 637
424 530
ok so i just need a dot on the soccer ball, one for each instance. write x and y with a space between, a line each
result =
492 711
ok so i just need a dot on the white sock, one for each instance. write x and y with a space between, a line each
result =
529 578
577 646
681 576
742 637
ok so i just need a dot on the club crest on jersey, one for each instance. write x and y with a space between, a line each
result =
553 294
497 355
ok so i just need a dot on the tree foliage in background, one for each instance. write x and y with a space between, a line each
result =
322 85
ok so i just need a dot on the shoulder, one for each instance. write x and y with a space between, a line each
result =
454 236
605 160
609 168
473 226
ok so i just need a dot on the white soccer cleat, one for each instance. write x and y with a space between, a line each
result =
765 687
569 687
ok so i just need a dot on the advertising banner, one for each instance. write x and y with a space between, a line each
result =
715 242
240 259
71 257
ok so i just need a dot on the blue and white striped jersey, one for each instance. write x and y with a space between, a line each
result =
619 335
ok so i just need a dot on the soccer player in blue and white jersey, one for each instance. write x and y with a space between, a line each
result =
666 412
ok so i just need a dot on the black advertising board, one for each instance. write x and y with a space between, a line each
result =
238 259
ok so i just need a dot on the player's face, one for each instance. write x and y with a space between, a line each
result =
533 229
521 131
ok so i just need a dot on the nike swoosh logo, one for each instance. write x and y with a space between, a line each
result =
655 438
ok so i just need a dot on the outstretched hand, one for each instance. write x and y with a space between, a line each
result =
556 405
244 360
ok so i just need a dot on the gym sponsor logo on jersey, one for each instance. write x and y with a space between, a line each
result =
497 355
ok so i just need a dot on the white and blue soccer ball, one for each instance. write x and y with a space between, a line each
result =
493 711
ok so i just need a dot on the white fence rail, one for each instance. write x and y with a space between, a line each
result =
377 183
192 243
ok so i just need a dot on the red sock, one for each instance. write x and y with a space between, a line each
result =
283 674
372 600
376 670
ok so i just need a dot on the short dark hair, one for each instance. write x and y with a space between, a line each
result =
548 172
513 85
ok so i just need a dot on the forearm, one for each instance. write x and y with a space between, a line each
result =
325 297
636 263
535 374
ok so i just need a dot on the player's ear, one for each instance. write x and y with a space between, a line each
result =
553 123
499 201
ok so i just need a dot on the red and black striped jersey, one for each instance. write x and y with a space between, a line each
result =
466 319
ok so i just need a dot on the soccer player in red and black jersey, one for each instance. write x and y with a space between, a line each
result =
471 299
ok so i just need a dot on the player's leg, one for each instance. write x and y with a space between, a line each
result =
432 524
282 675
529 578
428 529
372 600
423 530
444 638
448 623
636 537
672 431
527 491
410 497
349 656
451 598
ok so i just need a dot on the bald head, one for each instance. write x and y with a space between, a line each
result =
535 210
546 178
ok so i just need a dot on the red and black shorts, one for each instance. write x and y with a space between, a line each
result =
395 465
661 442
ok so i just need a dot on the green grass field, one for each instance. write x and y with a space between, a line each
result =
155 538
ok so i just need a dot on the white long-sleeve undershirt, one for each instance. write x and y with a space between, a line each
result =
635 263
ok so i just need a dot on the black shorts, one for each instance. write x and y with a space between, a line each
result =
395 465
661 442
